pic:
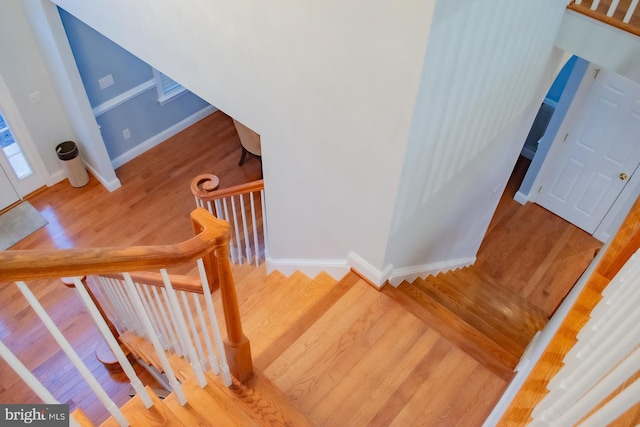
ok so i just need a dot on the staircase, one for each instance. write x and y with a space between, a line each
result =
330 352
489 322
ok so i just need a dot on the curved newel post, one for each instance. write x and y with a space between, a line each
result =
237 346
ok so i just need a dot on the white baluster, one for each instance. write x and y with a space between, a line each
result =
213 360
168 370
165 319
595 4
255 229
630 11
152 315
174 324
198 202
245 229
232 244
26 375
219 211
235 226
605 386
72 355
183 330
210 208
130 314
612 8
159 322
265 233
213 321
615 407
113 344
118 318
194 330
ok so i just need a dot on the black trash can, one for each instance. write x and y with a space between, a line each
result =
72 164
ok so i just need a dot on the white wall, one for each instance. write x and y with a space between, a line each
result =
24 72
488 66
330 86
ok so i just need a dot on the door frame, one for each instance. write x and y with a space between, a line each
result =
614 217
40 176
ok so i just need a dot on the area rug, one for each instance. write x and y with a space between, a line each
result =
19 222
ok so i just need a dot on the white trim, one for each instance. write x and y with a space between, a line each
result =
117 100
398 275
161 137
336 268
109 185
521 198
372 274
535 349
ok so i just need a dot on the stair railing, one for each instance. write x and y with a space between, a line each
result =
620 14
243 206
128 298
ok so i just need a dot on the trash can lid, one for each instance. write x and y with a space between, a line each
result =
67 150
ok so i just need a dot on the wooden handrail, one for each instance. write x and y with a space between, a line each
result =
602 17
204 187
55 263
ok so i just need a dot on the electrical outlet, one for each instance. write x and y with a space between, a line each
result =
126 134
35 98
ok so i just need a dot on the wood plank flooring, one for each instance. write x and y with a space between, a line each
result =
152 207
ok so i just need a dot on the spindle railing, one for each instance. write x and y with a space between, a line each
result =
243 206
589 372
157 307
622 14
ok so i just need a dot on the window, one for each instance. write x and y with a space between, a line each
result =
12 151
167 87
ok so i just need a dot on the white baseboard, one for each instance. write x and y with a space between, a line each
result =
161 137
398 275
521 198
112 185
336 268
372 274
57 176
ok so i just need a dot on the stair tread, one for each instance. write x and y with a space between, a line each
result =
81 418
159 415
265 402
208 406
497 334
463 335
468 295
290 308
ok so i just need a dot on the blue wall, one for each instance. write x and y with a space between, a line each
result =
97 57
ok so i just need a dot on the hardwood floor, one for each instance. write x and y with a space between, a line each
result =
377 376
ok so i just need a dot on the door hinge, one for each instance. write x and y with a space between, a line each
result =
565 137
595 76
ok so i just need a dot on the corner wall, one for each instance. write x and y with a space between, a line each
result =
488 66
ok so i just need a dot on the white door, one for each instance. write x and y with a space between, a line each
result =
8 194
594 162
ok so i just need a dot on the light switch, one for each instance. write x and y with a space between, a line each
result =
106 81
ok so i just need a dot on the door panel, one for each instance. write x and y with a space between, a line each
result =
601 152
8 194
